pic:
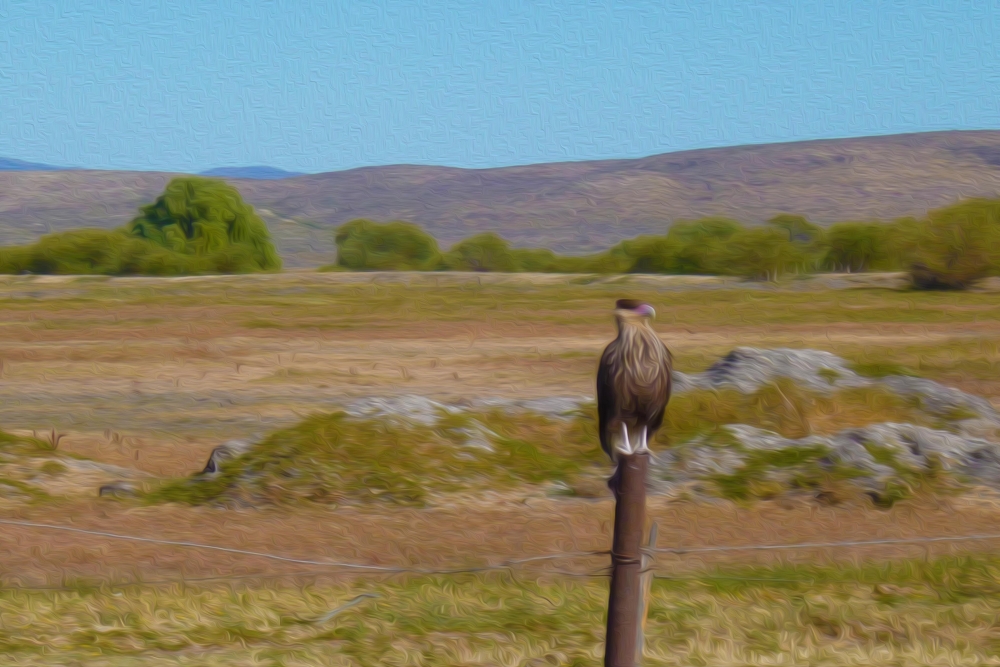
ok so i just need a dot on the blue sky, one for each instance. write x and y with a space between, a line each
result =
319 86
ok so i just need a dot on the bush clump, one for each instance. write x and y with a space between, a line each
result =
197 226
363 245
957 246
952 248
204 217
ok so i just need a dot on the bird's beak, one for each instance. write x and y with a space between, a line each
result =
645 309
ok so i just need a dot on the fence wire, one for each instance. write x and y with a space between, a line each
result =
509 564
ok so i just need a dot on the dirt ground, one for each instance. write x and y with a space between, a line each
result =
151 374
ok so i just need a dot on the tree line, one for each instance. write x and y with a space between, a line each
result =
203 226
951 248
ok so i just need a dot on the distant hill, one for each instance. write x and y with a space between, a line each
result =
570 207
10 164
257 173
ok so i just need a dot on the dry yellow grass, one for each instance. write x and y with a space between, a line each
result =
151 374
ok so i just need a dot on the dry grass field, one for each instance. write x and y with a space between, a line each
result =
146 376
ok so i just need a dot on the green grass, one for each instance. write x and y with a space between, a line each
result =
455 297
332 459
19 445
882 369
909 612
786 409
335 459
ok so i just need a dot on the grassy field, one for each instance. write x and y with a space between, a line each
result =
149 375
908 613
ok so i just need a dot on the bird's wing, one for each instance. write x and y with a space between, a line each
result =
666 378
605 399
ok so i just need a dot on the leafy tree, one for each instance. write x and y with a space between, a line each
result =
700 244
799 229
536 260
809 238
647 254
957 246
204 216
483 252
858 246
363 245
762 253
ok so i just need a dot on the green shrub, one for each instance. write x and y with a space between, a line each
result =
94 251
483 252
957 246
363 245
207 217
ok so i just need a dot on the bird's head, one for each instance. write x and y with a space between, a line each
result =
633 311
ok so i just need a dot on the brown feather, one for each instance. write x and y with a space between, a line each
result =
633 380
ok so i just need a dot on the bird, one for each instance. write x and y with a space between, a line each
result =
634 380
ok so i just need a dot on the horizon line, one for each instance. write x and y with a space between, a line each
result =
299 174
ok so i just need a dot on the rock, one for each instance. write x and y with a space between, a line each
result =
555 407
117 490
748 369
684 382
940 399
477 436
914 446
408 407
696 462
224 452
907 446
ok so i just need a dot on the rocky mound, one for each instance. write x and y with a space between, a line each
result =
954 436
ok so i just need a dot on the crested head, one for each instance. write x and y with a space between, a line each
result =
633 311
634 307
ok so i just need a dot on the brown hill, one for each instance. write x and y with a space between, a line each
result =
569 207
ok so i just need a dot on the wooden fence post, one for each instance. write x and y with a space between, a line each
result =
645 585
626 561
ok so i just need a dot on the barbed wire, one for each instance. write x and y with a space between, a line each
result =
302 561
821 545
504 565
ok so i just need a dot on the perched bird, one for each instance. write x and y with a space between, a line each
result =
633 382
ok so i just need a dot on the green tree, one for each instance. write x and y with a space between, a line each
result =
856 247
762 253
647 254
701 243
482 252
203 217
799 229
957 246
536 260
363 245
